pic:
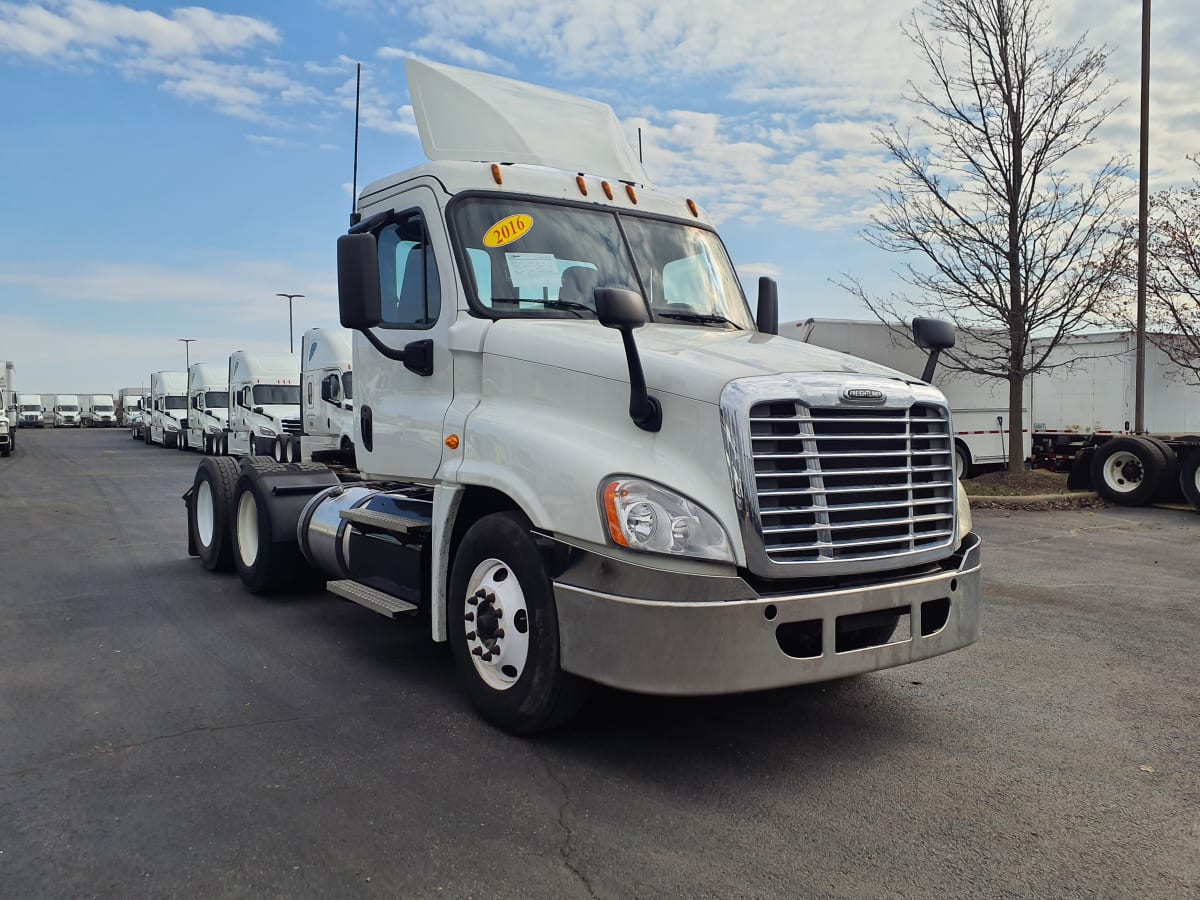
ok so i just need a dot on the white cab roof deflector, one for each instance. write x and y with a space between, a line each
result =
465 115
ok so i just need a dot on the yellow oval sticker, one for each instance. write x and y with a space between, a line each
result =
508 230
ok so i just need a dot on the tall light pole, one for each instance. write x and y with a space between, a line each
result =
1139 387
291 340
187 346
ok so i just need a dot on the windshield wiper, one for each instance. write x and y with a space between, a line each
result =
568 305
703 318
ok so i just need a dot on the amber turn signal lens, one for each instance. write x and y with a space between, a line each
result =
607 189
611 515
582 184
496 176
632 194
452 442
692 207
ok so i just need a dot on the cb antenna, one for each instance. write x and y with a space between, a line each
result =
354 215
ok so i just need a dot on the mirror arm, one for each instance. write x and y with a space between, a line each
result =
645 410
930 366
417 356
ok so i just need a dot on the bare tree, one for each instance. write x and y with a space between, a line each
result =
1173 280
1009 245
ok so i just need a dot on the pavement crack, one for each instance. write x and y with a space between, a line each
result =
566 849
200 729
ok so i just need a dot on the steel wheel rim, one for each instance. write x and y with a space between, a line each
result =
498 645
247 528
204 514
1123 472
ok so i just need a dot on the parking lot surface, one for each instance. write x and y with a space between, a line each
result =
166 733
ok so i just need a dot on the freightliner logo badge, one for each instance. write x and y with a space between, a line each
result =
862 395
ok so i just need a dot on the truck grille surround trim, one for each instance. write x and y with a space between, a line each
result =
829 486
291 426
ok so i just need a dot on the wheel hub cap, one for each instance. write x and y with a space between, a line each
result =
496 624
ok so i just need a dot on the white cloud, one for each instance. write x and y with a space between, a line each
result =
755 269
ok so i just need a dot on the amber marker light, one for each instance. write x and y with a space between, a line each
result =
607 189
496 176
452 442
692 207
582 184
610 513
632 194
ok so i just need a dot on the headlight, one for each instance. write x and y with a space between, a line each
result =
213 429
265 431
964 514
171 426
642 515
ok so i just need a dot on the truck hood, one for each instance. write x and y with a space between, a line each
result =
694 362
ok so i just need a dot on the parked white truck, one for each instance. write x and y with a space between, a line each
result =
264 402
168 408
30 412
581 457
208 407
979 405
128 401
98 411
66 411
326 401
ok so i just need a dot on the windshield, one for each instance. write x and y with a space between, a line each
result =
27 408
68 409
347 385
545 260
216 399
276 394
175 402
102 409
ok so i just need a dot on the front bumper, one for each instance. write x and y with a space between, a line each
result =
720 646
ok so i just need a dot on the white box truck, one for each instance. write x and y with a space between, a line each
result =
264 402
168 408
208 407
30 412
1084 413
66 411
579 453
979 405
98 411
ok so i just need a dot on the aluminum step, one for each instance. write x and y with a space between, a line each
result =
376 601
381 521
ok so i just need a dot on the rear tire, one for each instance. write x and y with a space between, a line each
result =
1128 470
263 563
520 686
1168 485
211 512
1189 478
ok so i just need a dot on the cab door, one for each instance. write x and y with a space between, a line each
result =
399 411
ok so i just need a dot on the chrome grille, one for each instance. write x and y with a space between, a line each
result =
291 426
841 483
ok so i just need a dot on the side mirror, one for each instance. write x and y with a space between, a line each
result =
358 281
768 306
625 310
934 335
258 409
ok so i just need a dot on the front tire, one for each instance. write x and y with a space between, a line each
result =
503 628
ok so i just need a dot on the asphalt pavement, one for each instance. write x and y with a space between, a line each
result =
164 733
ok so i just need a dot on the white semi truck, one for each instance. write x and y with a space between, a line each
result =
98 411
264 402
128 401
580 455
30 412
66 411
168 408
208 407
980 405
326 401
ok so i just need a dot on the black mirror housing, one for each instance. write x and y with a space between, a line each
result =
768 306
620 308
933 334
359 303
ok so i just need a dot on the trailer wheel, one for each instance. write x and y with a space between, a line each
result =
1189 478
212 503
503 629
263 563
1128 470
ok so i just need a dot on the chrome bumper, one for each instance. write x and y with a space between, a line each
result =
663 646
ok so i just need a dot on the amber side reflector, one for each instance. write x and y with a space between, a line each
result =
607 189
452 442
692 207
632 194
496 176
582 184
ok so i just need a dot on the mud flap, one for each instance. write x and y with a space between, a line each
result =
189 500
1080 476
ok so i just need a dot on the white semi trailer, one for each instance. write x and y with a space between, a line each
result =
66 411
168 408
980 405
208 407
580 454
30 412
264 402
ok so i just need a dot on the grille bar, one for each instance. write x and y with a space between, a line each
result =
853 507
845 526
819 419
842 545
847 490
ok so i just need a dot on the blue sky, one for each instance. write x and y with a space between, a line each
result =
165 170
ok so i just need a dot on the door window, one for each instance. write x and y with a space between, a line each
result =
410 292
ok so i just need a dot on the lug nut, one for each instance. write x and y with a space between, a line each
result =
487 657
498 613
470 635
499 633
470 617
477 651
472 601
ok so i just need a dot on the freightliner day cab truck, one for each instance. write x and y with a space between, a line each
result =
581 458
98 411
66 411
264 402
168 408
208 407
326 401
29 409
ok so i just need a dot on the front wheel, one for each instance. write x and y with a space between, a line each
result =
503 628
